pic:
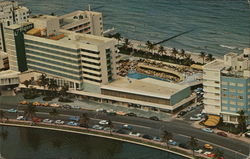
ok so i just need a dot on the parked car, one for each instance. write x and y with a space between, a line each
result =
210 155
36 104
72 123
74 118
54 105
154 118
60 122
221 134
46 104
207 153
198 151
183 145
135 134
194 118
156 138
20 118
111 112
122 131
208 146
12 110
66 106
121 113
107 129
145 136
131 114
247 134
24 102
75 107
36 120
47 121
126 126
208 130
103 122
172 142
101 110
97 127
181 114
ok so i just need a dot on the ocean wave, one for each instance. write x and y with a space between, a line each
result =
229 47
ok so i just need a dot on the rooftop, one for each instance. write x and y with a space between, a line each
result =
216 64
148 87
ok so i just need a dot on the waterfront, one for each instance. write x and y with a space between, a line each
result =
220 26
36 143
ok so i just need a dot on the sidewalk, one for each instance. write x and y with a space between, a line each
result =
229 135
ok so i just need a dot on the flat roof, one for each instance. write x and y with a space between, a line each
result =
147 87
216 64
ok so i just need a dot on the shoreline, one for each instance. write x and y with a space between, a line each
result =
101 134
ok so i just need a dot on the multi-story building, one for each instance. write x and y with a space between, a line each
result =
85 61
87 22
227 86
4 62
11 13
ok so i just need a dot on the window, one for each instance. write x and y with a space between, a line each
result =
232 90
232 109
240 104
240 84
232 102
224 83
240 91
233 118
232 84
224 108
240 97
216 82
224 101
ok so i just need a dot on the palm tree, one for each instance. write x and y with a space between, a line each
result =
53 85
242 120
64 89
126 43
2 115
54 113
174 52
84 120
43 80
27 83
166 137
149 45
111 126
202 55
182 53
118 36
193 143
161 50
218 154
209 57
30 111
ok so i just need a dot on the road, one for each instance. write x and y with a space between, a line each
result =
181 129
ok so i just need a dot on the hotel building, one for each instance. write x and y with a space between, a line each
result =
84 61
11 13
227 86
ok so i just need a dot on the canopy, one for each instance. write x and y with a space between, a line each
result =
212 120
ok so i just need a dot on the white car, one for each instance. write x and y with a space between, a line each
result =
47 121
195 118
135 134
97 127
103 122
75 107
59 122
207 153
198 151
20 118
54 105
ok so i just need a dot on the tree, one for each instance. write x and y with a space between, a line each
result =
209 57
111 126
182 53
64 89
126 43
84 120
150 45
27 83
54 112
174 52
2 116
202 55
166 137
52 85
218 154
117 36
242 120
161 50
193 143
43 80
30 111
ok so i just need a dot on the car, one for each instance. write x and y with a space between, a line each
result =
126 126
24 102
107 129
66 106
121 113
221 134
190 109
210 155
180 114
103 122
12 110
156 138
207 153
131 114
75 107
145 136
97 127
45 104
101 110
36 104
111 112
172 142
198 151
208 130
54 105
36 120
20 118
208 147
135 134
155 118
47 121
74 118
72 123
247 134
60 122
183 145
122 131
194 118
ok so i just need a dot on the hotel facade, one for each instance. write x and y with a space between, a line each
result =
227 86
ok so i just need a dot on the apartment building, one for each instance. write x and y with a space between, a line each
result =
87 22
84 61
11 13
227 86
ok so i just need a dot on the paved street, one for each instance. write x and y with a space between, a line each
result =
181 129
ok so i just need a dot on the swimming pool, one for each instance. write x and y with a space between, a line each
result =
136 75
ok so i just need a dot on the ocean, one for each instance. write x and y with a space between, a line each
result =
218 26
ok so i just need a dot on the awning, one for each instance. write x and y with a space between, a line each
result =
198 67
212 120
